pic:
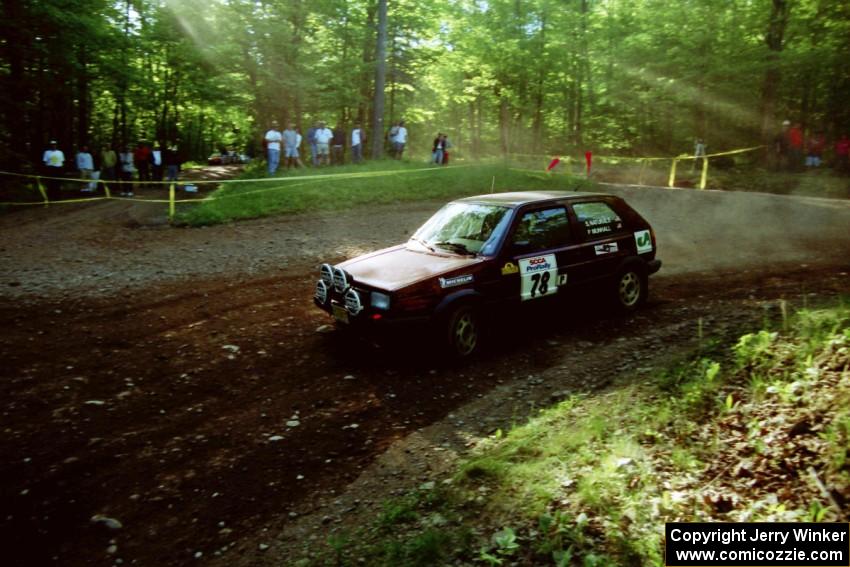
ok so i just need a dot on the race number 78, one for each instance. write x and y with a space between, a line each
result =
540 283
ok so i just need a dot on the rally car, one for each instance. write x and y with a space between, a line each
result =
481 254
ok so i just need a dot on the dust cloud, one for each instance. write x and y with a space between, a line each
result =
706 230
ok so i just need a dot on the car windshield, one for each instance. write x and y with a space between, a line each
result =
464 228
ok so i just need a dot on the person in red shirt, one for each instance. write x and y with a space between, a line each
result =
795 146
142 161
842 151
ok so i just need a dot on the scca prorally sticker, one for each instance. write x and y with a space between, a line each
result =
538 276
609 248
456 281
509 268
643 239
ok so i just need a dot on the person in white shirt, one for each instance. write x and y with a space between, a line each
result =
400 140
324 135
358 138
126 160
156 160
85 164
54 161
272 139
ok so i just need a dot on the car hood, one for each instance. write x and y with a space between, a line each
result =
397 267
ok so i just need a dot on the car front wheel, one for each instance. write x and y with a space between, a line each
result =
631 288
463 331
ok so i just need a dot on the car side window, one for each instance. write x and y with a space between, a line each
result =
542 229
597 219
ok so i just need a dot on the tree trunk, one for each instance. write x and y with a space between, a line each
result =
504 124
772 78
17 139
82 98
380 77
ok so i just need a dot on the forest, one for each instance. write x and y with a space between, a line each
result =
627 77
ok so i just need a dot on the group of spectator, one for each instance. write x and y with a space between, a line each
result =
795 150
144 163
327 146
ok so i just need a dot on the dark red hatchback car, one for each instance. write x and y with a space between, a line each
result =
479 255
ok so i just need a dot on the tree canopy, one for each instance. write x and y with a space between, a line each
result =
498 76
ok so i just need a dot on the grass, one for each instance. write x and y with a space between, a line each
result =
592 480
373 183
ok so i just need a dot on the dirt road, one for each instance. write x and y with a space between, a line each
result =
174 380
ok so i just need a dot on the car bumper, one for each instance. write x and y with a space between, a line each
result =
653 266
370 320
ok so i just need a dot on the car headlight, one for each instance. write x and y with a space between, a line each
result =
340 280
380 300
327 272
321 293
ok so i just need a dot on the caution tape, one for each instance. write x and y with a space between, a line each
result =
235 181
172 200
643 161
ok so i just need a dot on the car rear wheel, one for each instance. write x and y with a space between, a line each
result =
463 331
632 287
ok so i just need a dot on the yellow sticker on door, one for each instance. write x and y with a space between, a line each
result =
509 268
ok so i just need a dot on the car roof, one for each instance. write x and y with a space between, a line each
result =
518 198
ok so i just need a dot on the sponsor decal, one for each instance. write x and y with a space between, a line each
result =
456 281
509 268
643 239
538 276
609 248
538 264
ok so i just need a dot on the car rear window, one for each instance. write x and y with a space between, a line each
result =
597 219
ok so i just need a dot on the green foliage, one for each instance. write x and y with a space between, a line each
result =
500 77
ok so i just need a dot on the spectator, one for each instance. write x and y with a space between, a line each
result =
842 154
172 164
338 145
446 145
699 154
814 149
290 145
108 161
86 166
795 147
142 161
324 135
311 139
156 162
127 170
438 148
272 142
391 138
298 138
54 162
358 139
400 140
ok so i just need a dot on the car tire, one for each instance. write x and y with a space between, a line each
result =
631 287
463 331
